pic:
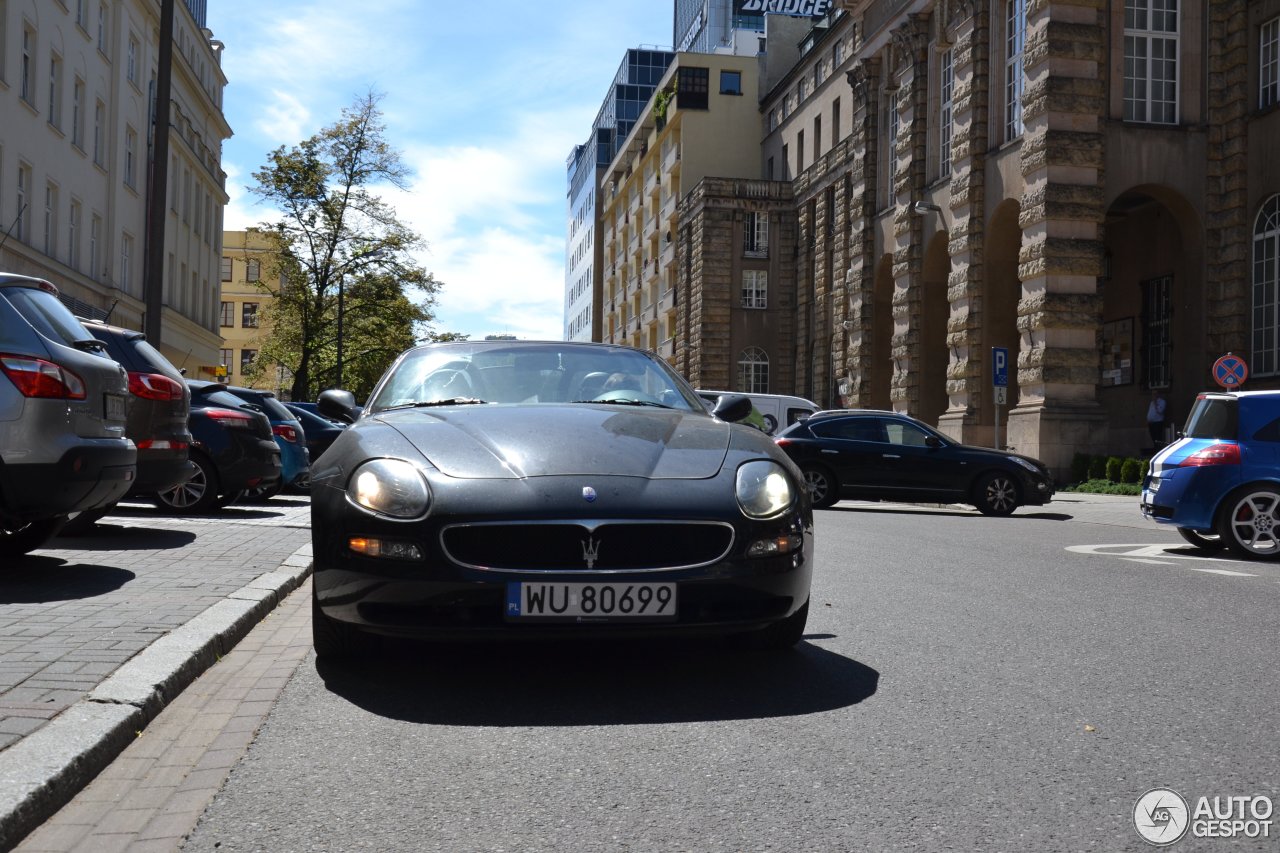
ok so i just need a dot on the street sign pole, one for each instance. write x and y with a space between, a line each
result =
999 385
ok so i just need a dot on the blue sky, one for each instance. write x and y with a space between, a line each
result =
484 101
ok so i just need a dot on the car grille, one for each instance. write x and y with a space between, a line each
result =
598 546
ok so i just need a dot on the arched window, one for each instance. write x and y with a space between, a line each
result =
1266 289
753 371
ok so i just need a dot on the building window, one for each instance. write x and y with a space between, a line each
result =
95 233
1157 317
1266 289
253 271
27 72
55 90
1269 64
130 157
226 269
753 371
82 15
756 234
1015 40
22 223
691 88
1151 61
228 318
835 122
946 128
817 137
73 236
755 289
838 53
103 37
249 315
51 220
731 82
126 253
800 153
225 356
247 357
99 117
131 61
802 89
77 114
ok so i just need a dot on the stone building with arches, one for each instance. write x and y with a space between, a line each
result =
1090 184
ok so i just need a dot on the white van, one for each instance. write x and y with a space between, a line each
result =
777 410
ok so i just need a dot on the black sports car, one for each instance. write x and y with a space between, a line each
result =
518 489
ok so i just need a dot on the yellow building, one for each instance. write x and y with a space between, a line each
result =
704 121
245 295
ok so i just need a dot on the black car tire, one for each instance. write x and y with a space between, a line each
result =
780 635
25 538
197 495
333 639
1249 522
996 493
824 489
1204 541
82 524
259 495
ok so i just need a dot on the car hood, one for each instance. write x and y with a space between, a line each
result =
503 442
1001 454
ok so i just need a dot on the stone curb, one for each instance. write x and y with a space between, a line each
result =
42 772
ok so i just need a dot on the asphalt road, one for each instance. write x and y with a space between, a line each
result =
966 683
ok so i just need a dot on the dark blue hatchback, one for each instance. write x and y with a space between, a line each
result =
1219 484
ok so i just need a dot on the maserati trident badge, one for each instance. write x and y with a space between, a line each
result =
591 552
588 494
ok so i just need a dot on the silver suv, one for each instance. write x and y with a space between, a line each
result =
63 404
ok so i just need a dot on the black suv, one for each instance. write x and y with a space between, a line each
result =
233 449
873 455
157 415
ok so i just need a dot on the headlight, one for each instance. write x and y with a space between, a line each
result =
390 487
763 489
1024 463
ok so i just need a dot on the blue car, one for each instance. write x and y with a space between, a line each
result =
1219 484
294 457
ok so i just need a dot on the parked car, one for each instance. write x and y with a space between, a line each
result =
1219 483
294 459
777 411
494 489
232 447
63 406
318 431
158 411
879 455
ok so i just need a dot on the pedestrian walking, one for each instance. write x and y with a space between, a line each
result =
1155 418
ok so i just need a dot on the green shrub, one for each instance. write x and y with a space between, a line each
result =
1106 487
1131 471
1080 467
1114 466
1097 467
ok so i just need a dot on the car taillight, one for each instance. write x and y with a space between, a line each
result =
1214 454
162 444
230 418
782 442
154 386
286 432
36 377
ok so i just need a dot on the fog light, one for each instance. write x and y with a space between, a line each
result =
390 549
773 547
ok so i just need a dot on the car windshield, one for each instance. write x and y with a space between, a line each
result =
532 373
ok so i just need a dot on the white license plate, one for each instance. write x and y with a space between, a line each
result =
591 602
117 407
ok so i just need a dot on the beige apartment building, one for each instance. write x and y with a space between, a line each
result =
668 217
1091 184
242 315
75 84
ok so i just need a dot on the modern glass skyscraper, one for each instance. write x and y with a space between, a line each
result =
641 70
710 26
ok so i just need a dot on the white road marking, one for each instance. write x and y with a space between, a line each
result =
1148 562
1224 572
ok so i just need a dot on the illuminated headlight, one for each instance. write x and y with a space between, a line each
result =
390 487
763 489
1024 463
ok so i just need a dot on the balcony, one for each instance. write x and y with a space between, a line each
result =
667 349
670 154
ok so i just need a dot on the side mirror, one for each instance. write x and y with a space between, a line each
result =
340 405
732 407
932 441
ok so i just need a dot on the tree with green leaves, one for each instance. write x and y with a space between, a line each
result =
350 296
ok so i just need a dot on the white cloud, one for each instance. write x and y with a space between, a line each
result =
285 119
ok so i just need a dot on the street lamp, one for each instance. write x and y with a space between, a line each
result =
342 290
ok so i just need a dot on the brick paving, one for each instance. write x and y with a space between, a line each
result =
153 794
72 613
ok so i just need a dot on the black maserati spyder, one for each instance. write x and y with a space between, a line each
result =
508 489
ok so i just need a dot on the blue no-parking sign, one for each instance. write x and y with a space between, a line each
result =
1230 371
1000 367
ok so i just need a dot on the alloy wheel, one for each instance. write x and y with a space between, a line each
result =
1252 524
999 495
